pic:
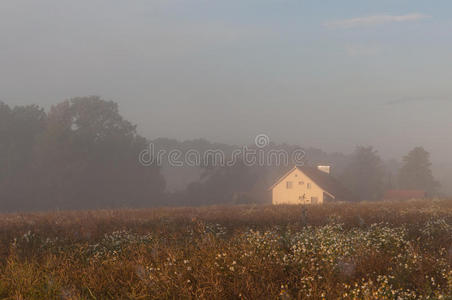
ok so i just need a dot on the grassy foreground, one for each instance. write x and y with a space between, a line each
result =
394 250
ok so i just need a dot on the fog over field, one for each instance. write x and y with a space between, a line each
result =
330 75
225 149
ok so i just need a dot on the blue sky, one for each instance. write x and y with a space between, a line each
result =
329 74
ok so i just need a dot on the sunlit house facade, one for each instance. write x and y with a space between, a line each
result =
308 185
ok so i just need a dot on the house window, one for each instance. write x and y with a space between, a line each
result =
289 184
300 182
308 185
302 197
314 200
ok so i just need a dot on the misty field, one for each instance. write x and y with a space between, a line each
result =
392 250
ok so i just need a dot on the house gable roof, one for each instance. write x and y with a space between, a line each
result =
282 178
325 181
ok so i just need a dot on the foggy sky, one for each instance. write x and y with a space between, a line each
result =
327 74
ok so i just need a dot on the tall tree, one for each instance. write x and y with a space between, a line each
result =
82 154
364 174
19 128
90 157
416 172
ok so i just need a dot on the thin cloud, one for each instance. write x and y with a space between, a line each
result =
375 20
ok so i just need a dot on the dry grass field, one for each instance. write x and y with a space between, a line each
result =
391 250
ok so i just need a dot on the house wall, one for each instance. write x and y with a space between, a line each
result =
283 195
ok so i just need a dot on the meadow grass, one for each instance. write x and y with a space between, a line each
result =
383 250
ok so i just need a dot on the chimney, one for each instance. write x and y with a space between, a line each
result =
325 169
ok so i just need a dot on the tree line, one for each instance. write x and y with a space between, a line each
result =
82 154
363 172
367 176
